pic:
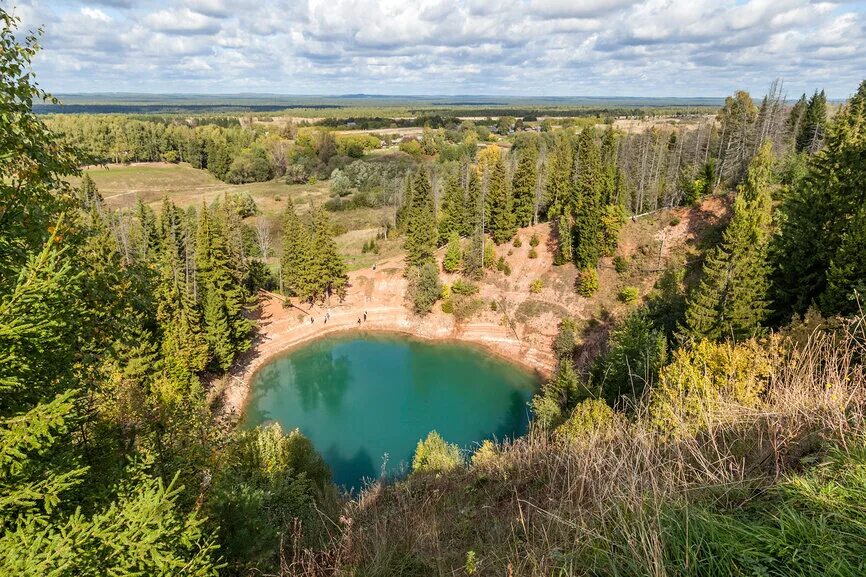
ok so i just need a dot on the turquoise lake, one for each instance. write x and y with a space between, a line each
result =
365 400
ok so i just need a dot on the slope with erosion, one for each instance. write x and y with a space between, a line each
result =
509 319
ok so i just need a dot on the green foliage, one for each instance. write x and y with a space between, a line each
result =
524 185
817 217
266 481
536 285
564 247
594 230
532 253
589 418
612 219
453 254
637 352
566 338
628 295
424 287
620 264
587 282
534 240
501 214
434 455
731 300
462 287
421 231
700 379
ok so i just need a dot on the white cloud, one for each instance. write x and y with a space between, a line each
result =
531 47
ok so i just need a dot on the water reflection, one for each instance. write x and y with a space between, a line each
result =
362 397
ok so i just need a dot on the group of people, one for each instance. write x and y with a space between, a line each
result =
328 316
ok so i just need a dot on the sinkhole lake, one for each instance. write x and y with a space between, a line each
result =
365 400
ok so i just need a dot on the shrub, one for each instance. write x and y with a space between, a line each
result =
424 287
462 287
675 221
493 306
628 295
434 455
517 243
620 264
445 293
566 337
242 204
536 286
546 412
589 418
612 219
489 254
465 307
587 282
636 355
533 253
448 306
534 240
701 379
486 455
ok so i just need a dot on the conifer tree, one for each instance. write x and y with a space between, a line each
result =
559 190
564 247
453 254
328 266
818 214
421 231
452 210
472 194
731 299
404 208
846 277
811 129
296 260
523 186
589 239
501 215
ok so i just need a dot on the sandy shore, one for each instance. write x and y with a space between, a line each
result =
380 294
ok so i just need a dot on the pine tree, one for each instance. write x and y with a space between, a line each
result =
501 216
589 239
731 299
846 277
523 186
421 232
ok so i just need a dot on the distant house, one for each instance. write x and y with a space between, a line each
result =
351 124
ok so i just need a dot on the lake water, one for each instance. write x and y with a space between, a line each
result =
365 400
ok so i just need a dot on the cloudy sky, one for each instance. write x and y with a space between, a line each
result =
521 48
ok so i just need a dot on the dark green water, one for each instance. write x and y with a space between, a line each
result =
361 398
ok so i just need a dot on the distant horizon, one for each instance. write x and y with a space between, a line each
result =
595 48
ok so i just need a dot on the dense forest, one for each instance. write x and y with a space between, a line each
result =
720 431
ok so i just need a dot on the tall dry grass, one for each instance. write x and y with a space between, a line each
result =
599 505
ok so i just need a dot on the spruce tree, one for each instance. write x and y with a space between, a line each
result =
421 231
523 186
453 254
589 241
296 260
501 216
328 266
564 247
811 129
818 214
731 299
452 210
472 194
559 191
